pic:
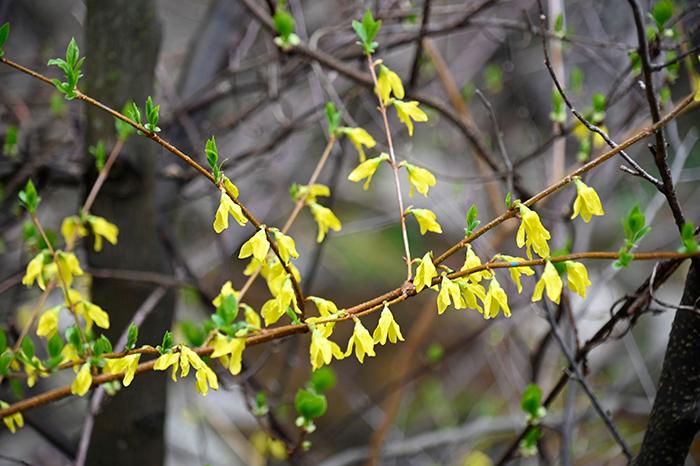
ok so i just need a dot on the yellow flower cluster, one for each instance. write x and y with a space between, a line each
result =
13 421
183 357
73 227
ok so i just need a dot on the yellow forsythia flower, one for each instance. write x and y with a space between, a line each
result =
496 298
232 348
310 192
516 272
35 270
125 365
419 178
230 188
68 267
285 245
101 228
252 318
226 207
326 220
275 308
367 169
449 291
427 220
425 273
226 290
387 327
409 112
166 360
326 308
470 291
587 202
48 322
532 233
473 261
72 228
360 139
82 382
322 350
551 281
92 313
257 246
362 341
205 377
387 83
13 421
577 276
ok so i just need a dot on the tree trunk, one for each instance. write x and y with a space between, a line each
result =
123 38
675 417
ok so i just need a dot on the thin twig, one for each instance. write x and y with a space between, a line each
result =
499 138
415 67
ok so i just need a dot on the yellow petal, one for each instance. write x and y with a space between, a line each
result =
420 179
326 220
367 169
425 273
82 382
257 246
427 220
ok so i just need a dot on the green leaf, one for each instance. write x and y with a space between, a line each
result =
228 310
27 347
261 408
72 335
152 115
598 107
167 343
367 30
662 12
3 340
102 345
493 77
636 63
284 24
213 158
10 148
435 353
132 336
29 198
624 260
98 151
55 345
4 34
531 402
133 112
558 113
472 222
194 334
72 53
323 379
509 202
690 244
333 117
559 30
6 359
57 104
528 445
309 404
124 129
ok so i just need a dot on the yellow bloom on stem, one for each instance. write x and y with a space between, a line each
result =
322 350
425 273
92 313
226 290
226 207
362 341
205 378
48 322
125 365
13 421
101 228
71 229
449 291
577 276
367 169
257 246
166 360
83 381
285 245
419 178
470 291
496 298
35 270
252 318
230 188
427 220
326 308
408 111
532 233
387 327
516 272
276 307
310 192
326 220
68 267
360 139
551 281
587 202
232 348
388 82
582 133
472 261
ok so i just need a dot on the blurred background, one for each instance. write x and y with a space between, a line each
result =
450 394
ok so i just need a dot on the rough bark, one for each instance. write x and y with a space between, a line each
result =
123 38
675 417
